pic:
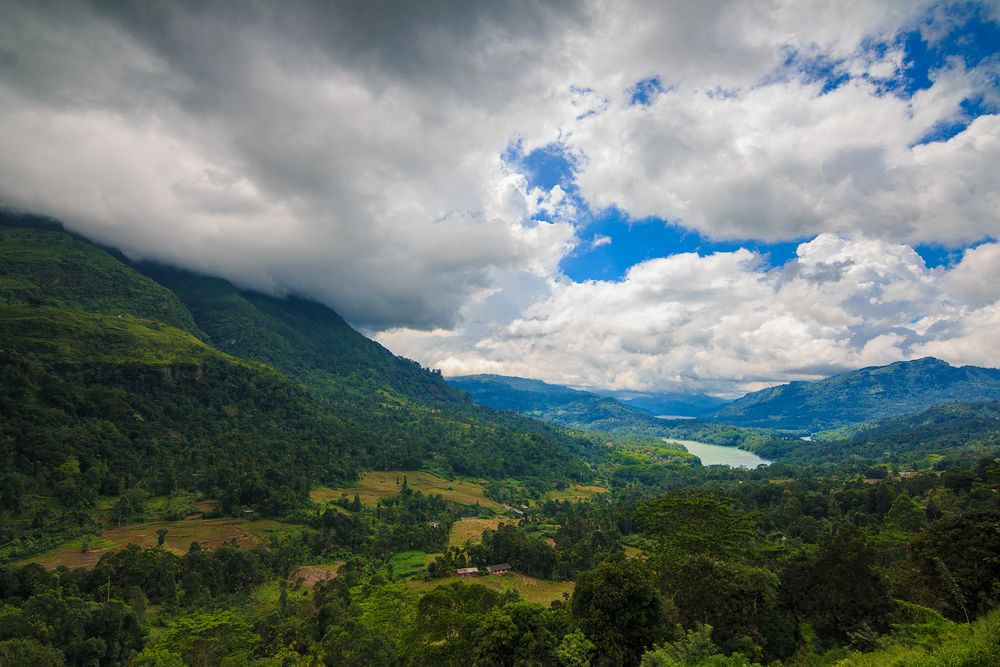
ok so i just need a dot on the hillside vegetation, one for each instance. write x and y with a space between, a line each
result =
416 418
99 398
43 266
920 439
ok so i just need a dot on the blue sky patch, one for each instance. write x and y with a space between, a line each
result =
637 241
645 91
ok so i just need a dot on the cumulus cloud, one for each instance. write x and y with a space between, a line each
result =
355 154
727 323
787 160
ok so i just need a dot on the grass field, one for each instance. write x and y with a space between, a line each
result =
575 492
540 591
307 576
471 529
409 563
382 484
209 533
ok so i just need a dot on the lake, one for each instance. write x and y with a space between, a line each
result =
712 455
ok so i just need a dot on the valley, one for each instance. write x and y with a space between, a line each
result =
246 477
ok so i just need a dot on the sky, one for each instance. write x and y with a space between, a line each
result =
708 197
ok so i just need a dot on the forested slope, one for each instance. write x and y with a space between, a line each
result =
863 395
40 264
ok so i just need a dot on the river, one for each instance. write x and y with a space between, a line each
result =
712 455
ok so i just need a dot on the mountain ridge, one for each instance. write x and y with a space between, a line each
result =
865 394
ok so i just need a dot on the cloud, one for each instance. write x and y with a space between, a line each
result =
358 155
727 323
325 151
788 160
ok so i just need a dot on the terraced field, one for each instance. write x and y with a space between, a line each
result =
541 591
385 484
210 533
576 492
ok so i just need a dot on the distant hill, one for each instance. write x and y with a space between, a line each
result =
950 427
878 392
555 404
667 404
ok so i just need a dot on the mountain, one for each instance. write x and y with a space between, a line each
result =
667 404
110 379
42 265
877 392
554 403
408 416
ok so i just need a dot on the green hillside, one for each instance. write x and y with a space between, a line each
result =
394 413
56 335
95 405
305 340
921 438
866 394
44 266
414 416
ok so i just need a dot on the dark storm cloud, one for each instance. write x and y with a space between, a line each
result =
347 152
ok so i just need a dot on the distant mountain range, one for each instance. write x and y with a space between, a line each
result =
579 409
874 393
667 404
855 397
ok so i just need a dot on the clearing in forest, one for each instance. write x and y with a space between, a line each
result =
575 492
210 533
471 530
532 589
386 484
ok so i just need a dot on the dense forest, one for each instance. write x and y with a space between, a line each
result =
185 479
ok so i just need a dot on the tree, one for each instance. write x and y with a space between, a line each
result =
575 650
130 506
838 591
618 607
905 514
686 523
205 638
959 554
30 653
518 633
692 648
158 657
161 536
739 601
446 619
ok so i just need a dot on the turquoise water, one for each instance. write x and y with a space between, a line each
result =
712 455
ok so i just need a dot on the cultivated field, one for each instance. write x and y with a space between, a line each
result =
472 530
531 589
576 492
383 484
210 533
307 576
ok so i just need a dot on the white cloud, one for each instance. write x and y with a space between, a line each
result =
727 323
352 154
786 160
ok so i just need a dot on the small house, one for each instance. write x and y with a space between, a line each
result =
467 572
502 568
